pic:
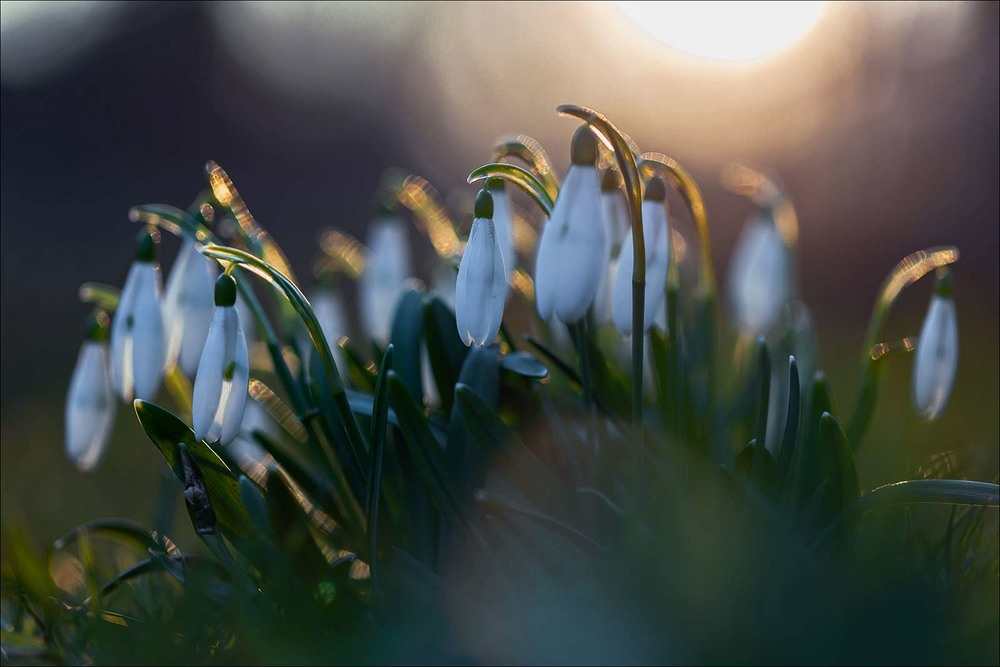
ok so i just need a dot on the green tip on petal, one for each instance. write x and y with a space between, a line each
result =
609 180
656 189
385 208
484 205
583 150
942 282
495 184
98 326
225 290
145 245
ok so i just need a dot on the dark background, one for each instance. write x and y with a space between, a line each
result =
882 122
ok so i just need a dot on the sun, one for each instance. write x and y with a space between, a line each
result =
728 31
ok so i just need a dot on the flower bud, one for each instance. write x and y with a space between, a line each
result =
220 388
137 338
481 287
187 307
936 359
90 402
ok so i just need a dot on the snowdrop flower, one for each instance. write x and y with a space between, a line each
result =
386 270
90 403
503 220
759 277
137 345
614 213
937 351
220 388
572 251
656 236
187 307
481 287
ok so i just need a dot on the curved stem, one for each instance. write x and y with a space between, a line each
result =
531 152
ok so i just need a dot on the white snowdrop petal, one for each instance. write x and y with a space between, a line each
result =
759 277
208 381
573 251
936 360
480 288
90 407
121 337
386 271
187 307
233 401
656 239
615 214
503 219
148 346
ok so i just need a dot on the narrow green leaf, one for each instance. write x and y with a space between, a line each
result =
466 461
167 431
520 177
791 434
407 327
375 458
445 350
763 400
837 465
425 451
808 475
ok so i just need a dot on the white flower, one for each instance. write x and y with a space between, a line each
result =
572 252
90 403
187 307
387 268
937 352
220 388
481 287
503 220
759 277
137 345
656 237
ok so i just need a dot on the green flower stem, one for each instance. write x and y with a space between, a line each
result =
519 177
531 152
626 161
909 270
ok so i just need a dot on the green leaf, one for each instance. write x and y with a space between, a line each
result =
123 530
445 350
524 364
167 431
917 492
407 326
292 529
481 372
808 474
375 458
837 465
360 373
763 400
426 452
520 177
791 434
508 454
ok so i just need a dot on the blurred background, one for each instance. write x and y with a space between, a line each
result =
881 120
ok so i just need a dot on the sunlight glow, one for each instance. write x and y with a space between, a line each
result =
732 31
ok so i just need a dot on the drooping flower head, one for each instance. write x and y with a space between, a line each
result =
614 213
137 340
220 388
936 359
572 251
481 286
90 402
187 307
656 235
386 270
